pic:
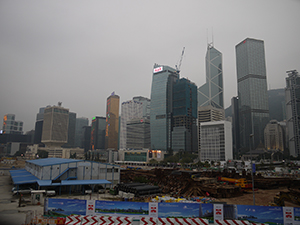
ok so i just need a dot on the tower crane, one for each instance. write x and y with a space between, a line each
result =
179 64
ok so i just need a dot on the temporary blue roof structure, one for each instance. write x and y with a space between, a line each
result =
22 177
71 182
52 161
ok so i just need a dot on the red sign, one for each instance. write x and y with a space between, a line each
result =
158 69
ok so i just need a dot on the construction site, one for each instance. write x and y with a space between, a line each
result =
224 186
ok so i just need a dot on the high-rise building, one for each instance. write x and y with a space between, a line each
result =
252 91
129 110
39 126
71 130
98 133
161 107
216 141
138 133
211 93
274 136
55 126
184 128
11 126
87 138
235 128
146 105
79 131
292 95
112 122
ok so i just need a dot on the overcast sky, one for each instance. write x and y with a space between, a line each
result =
79 52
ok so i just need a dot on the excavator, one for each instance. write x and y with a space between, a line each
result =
241 182
293 195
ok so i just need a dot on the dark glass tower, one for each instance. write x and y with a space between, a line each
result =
161 106
252 90
98 133
184 130
211 93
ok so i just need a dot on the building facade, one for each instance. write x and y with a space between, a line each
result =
71 130
138 133
274 136
235 128
216 141
112 122
252 90
39 126
11 126
55 126
146 105
161 106
184 128
79 131
292 99
129 110
98 133
211 93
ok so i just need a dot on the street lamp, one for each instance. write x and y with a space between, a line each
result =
250 139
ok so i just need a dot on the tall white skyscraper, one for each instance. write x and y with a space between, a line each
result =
129 110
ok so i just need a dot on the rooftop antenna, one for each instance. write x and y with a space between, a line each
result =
212 36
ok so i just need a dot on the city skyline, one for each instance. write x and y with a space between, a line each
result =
70 51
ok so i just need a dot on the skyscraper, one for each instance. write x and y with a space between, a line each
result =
39 126
184 129
211 93
112 122
138 133
98 133
55 126
146 105
292 96
11 126
129 110
71 130
252 90
79 131
161 106
235 127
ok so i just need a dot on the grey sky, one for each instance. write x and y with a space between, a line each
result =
79 52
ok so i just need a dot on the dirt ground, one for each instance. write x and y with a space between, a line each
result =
262 197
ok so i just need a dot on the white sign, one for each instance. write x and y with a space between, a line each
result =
90 207
218 212
153 209
288 215
158 69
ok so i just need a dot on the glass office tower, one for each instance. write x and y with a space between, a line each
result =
161 106
184 132
252 91
211 93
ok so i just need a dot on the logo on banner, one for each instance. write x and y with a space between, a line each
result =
288 215
90 207
218 212
153 206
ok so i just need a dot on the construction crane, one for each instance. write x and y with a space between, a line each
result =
179 64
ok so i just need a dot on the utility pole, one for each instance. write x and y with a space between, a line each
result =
251 136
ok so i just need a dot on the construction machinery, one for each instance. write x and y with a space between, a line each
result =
241 182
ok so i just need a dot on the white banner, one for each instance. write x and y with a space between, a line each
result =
288 215
218 212
153 209
90 207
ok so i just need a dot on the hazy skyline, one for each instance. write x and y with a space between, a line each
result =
79 52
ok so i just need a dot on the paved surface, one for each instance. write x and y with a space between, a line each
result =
10 212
